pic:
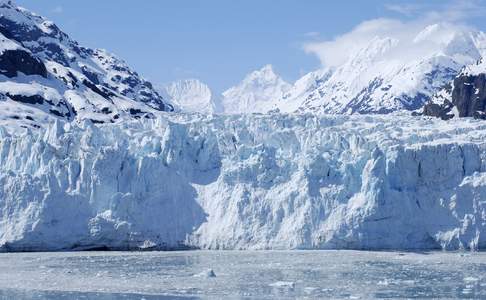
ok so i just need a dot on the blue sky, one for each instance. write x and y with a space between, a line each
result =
220 41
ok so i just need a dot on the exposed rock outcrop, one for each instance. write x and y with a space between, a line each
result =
465 97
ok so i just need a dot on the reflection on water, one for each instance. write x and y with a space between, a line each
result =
243 274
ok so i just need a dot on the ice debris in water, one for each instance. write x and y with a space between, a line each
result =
471 279
209 273
283 284
384 282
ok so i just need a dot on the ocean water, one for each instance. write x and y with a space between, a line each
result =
242 275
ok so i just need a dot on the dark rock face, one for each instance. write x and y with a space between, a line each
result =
18 32
467 96
439 111
60 109
13 61
36 99
105 94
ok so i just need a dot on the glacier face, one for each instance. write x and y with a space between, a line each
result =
245 182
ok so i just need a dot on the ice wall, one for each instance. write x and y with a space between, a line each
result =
245 182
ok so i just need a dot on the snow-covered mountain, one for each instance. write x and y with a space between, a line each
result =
259 92
382 77
303 89
386 75
191 95
44 74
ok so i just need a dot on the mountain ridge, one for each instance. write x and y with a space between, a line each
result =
64 79
378 78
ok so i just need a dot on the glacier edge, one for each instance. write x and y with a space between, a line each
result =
245 182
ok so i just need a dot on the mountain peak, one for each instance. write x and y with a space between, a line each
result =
265 74
267 69
258 92
391 74
191 95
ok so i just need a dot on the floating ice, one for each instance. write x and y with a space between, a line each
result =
283 284
206 274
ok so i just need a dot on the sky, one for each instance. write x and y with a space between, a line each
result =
221 41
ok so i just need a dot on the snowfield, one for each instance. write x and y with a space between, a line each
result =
245 182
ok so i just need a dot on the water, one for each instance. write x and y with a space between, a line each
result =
242 275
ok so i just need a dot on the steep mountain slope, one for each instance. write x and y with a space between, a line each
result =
260 91
191 95
465 96
382 77
303 90
46 74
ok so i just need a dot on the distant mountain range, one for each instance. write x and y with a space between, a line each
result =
46 74
378 78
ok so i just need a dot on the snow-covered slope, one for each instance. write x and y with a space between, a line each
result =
303 90
46 74
245 182
191 95
383 77
259 92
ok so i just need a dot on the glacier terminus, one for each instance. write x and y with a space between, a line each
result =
245 182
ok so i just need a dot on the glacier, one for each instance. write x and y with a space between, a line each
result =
276 181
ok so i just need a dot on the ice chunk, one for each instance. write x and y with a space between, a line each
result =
209 273
283 284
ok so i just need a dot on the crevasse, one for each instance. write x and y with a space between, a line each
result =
245 182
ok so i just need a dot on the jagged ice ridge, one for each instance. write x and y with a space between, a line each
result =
245 182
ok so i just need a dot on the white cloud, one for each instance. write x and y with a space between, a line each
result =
335 52
58 10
